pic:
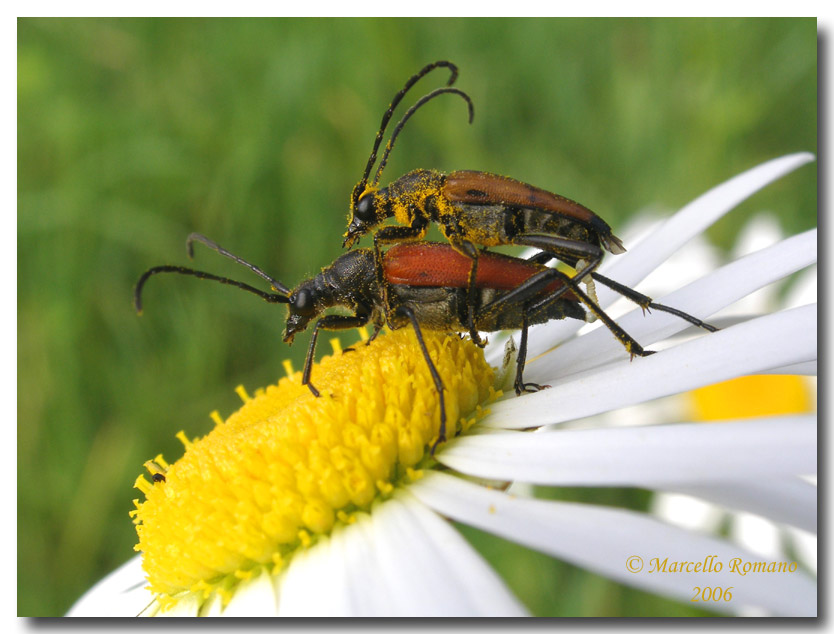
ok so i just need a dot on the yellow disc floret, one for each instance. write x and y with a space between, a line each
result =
287 466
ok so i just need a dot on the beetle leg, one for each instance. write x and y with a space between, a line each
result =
520 385
391 235
643 301
416 231
470 250
569 251
377 330
528 290
646 303
379 271
583 256
534 285
541 258
470 304
403 309
525 291
328 322
629 343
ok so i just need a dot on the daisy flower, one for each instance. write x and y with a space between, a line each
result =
334 506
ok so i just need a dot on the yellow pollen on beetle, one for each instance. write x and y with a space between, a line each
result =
287 467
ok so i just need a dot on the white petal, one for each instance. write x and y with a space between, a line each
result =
805 545
756 534
803 290
213 606
253 597
605 541
315 582
762 231
649 457
701 298
770 341
402 560
339 576
789 500
686 511
187 606
631 267
121 593
432 570
806 368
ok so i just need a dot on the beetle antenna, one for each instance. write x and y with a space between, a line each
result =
395 102
198 237
423 101
272 298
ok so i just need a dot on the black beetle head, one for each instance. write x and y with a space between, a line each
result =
303 309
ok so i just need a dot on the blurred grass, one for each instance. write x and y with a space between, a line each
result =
133 133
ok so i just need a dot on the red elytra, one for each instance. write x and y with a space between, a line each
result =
435 264
480 188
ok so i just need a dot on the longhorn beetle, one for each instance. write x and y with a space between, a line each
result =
424 284
476 208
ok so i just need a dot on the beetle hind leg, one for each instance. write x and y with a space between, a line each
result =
647 303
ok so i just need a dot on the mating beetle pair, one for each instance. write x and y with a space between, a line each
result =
454 287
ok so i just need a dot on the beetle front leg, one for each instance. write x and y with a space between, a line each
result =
328 322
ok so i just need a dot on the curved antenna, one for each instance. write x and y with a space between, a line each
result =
423 101
395 102
198 237
272 298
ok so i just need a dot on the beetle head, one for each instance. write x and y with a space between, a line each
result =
302 304
367 210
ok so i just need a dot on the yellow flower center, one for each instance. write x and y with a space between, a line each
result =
287 466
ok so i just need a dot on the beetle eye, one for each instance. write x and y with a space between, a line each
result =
365 208
302 303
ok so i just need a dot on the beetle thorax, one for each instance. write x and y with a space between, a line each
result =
413 195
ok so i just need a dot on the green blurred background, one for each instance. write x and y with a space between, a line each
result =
133 133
